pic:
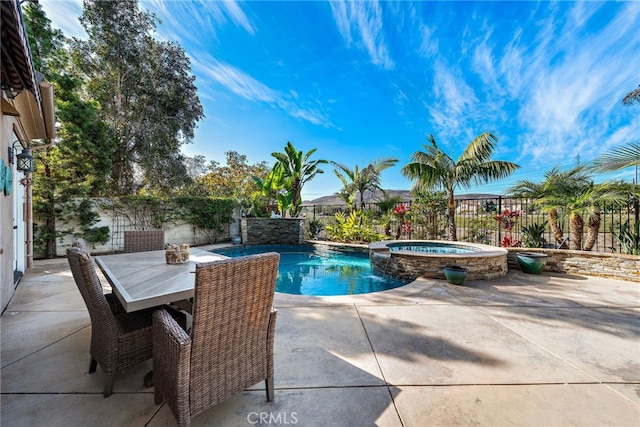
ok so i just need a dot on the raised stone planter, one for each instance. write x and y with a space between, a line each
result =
615 266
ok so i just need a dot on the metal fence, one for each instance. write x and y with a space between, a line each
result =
475 221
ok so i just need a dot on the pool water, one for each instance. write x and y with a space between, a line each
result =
303 271
431 247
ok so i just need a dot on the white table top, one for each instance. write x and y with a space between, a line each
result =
143 279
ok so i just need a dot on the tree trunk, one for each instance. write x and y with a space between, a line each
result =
592 231
50 220
453 234
576 225
50 245
552 215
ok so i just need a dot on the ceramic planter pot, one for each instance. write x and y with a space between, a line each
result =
455 274
532 262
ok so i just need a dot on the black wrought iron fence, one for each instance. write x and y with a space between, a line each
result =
476 222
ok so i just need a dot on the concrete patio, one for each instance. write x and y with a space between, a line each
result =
548 350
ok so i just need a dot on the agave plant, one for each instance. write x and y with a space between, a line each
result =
315 227
629 238
532 235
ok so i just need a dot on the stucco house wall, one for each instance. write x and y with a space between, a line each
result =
10 259
26 121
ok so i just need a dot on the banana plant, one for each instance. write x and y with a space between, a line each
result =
270 187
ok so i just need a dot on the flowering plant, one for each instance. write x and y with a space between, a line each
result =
404 225
507 220
400 210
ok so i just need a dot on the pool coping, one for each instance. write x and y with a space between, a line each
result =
487 250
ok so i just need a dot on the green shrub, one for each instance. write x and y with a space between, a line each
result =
480 230
315 227
532 235
355 227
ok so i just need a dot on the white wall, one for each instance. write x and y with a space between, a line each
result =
176 234
12 241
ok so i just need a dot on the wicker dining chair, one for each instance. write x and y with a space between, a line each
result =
118 340
230 346
143 240
112 299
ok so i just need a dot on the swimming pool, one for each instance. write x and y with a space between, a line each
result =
304 271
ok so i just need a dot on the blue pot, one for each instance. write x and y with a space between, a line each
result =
455 274
532 262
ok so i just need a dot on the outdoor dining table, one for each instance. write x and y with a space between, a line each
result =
144 279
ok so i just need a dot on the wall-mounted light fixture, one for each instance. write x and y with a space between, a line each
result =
25 159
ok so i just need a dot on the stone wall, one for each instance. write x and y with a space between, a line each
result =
615 266
322 246
411 267
272 231
490 263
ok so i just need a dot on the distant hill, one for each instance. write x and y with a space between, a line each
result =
405 196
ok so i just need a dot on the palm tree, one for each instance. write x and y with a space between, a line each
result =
297 170
359 181
434 169
574 205
571 193
556 185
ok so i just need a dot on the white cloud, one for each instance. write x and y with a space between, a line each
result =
237 15
571 86
64 15
428 42
362 21
457 114
245 86
203 18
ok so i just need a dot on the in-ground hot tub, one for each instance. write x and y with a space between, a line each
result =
410 259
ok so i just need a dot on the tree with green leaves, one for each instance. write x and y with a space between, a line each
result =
79 165
435 169
426 214
234 179
146 94
358 181
298 169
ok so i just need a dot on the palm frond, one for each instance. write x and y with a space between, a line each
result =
632 97
480 149
619 158
493 170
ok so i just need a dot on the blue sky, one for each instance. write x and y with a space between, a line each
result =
364 80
